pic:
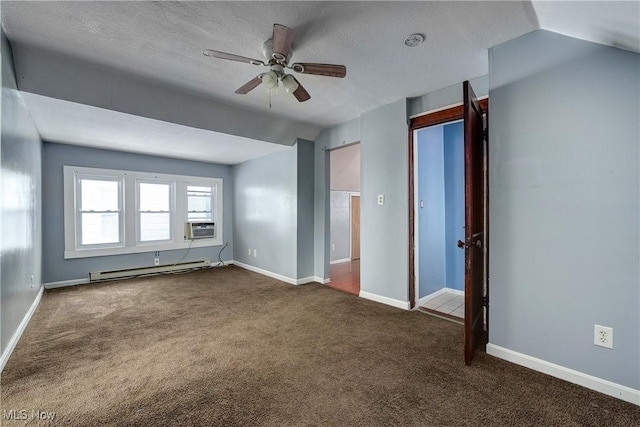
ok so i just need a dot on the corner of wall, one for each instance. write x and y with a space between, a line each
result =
20 171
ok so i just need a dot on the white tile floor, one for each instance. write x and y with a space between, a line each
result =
447 303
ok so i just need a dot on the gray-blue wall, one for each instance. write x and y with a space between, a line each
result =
431 212
564 203
454 203
384 240
385 131
20 205
441 221
447 96
382 134
305 207
55 156
58 75
265 210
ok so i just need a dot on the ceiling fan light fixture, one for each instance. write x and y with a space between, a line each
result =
298 68
290 84
270 79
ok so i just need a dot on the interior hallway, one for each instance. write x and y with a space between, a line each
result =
345 277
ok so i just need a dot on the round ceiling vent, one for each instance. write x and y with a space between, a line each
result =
414 40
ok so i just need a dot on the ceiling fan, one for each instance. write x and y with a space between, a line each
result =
277 53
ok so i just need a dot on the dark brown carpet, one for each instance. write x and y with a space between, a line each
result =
230 347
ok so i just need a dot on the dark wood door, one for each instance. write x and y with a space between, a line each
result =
474 223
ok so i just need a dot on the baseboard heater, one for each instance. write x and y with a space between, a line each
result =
95 276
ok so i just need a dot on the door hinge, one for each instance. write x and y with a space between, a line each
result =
485 134
485 301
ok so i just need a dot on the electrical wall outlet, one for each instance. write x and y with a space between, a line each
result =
381 199
255 252
249 251
333 247
603 336
156 261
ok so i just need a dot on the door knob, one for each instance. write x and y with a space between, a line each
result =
462 244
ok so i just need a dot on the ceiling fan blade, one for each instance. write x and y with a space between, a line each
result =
329 70
301 93
232 57
249 86
282 40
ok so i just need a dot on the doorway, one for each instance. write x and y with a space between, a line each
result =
474 114
344 219
440 216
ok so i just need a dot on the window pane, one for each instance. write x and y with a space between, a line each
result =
154 197
155 226
199 203
99 228
99 195
199 216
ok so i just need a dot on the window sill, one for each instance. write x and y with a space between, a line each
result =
123 250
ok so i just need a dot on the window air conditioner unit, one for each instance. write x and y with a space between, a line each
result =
200 230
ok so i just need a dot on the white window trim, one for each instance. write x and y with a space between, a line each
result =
129 212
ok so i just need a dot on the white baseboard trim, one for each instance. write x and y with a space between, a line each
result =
321 280
609 388
63 283
273 275
385 300
454 291
338 261
23 325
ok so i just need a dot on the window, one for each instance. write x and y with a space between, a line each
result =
99 211
199 203
108 212
154 211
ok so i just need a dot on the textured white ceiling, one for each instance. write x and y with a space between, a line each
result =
162 41
77 124
613 23
165 40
